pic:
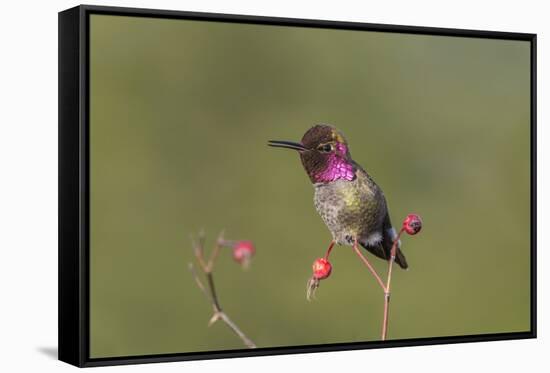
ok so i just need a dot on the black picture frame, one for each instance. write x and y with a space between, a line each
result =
74 183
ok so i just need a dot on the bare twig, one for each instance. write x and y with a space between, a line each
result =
215 252
369 266
210 292
198 281
385 287
198 248
388 286
332 243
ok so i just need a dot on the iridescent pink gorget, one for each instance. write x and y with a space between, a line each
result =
338 166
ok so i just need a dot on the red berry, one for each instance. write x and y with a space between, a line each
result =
321 269
243 251
412 224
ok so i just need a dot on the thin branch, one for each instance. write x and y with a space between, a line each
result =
388 287
215 253
201 286
215 301
198 248
369 266
386 315
329 249
237 331
207 269
385 287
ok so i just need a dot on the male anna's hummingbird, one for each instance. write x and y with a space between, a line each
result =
350 203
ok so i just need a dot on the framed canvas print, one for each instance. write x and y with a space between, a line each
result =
234 186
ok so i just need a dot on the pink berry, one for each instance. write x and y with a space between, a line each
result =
243 251
321 269
412 224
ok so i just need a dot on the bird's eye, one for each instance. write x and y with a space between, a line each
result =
325 148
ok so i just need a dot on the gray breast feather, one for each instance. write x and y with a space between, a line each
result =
363 219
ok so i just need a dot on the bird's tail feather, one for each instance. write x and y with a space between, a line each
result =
400 259
383 251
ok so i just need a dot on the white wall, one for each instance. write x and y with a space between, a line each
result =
28 184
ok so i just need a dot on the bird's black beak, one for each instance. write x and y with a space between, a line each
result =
287 144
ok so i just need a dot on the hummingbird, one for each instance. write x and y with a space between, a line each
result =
350 203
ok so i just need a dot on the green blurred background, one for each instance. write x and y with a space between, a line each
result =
180 115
